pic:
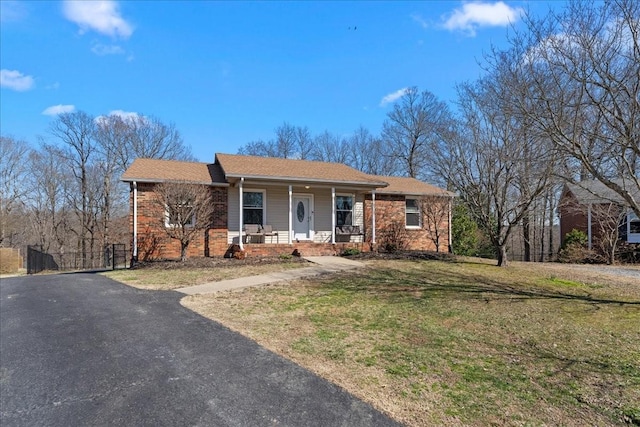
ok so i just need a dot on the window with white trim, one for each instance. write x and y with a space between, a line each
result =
344 210
180 215
634 223
253 207
412 213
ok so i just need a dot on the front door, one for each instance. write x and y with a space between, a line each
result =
301 217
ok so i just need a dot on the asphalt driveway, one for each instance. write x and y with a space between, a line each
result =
81 349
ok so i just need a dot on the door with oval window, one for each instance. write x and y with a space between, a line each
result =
301 207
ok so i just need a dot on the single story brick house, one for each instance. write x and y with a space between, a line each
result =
587 205
274 206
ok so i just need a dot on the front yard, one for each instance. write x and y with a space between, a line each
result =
458 342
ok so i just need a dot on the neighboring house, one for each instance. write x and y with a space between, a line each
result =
273 206
589 205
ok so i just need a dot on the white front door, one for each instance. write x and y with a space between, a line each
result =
301 214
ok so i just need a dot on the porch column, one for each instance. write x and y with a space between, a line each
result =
289 239
333 215
135 220
240 215
373 217
589 225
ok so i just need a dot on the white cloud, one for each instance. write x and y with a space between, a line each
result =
420 20
127 116
102 50
101 16
478 14
394 96
54 110
13 79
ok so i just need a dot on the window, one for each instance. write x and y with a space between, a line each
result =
412 213
180 215
344 210
634 223
253 207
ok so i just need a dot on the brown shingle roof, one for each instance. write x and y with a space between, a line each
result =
236 166
154 170
412 186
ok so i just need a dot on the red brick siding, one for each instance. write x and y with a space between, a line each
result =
154 243
390 209
572 216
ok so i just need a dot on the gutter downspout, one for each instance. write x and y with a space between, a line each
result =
134 185
240 217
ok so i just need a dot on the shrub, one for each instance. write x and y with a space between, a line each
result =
394 238
574 248
350 252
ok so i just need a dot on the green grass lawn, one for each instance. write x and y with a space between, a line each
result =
458 343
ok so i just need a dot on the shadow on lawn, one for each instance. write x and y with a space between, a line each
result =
437 284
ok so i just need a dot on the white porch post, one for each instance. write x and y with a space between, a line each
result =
240 213
373 217
589 225
333 215
290 239
135 220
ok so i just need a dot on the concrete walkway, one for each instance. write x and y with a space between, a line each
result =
323 265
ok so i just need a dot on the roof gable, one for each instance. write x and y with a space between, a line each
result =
272 168
155 170
411 186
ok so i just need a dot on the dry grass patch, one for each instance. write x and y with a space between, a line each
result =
458 343
174 275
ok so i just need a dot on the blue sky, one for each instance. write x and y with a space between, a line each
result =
226 73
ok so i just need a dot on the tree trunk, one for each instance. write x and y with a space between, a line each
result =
526 237
502 256
183 251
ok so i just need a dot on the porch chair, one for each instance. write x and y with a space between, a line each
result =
267 230
251 230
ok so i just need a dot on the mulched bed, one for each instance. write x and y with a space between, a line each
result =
203 262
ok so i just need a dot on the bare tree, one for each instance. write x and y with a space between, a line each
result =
484 162
304 143
50 217
13 171
188 211
329 147
259 148
583 69
417 122
435 212
76 132
149 137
